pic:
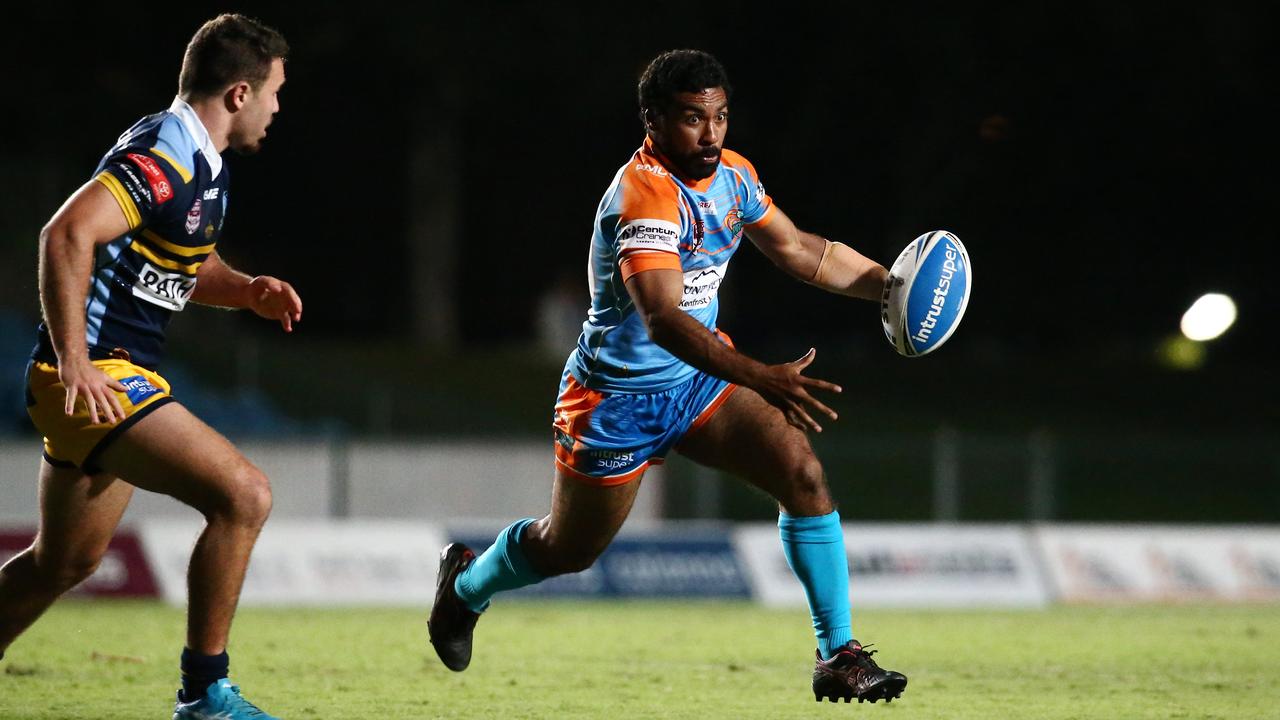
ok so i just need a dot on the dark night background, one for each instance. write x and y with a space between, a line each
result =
1104 165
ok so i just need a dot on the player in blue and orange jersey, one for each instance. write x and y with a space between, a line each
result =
652 373
127 250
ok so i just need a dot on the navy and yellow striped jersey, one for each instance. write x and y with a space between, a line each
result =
171 185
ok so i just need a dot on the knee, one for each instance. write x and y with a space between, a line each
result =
249 497
806 486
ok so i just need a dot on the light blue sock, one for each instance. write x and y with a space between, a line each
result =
814 548
502 567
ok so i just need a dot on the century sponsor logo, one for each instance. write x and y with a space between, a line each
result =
166 289
950 266
649 233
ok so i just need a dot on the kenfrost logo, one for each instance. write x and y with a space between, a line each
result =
949 268
166 289
700 287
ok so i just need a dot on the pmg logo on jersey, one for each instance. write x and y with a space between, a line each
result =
655 169
701 286
166 289
649 234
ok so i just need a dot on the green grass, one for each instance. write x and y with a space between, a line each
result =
107 660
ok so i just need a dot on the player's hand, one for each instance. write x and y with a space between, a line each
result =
786 388
84 381
275 299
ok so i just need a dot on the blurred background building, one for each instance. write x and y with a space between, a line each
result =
430 183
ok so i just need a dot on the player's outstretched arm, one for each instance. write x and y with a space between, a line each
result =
220 285
830 265
89 218
657 294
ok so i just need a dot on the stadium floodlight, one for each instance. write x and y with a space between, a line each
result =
1208 317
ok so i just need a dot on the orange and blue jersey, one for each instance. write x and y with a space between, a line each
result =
650 217
170 182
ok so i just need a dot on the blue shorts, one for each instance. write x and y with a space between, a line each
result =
611 438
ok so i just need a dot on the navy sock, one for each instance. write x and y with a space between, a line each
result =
201 671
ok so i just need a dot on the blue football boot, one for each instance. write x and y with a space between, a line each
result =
222 701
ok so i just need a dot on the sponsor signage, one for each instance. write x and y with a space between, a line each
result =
123 572
903 565
1107 563
380 562
673 564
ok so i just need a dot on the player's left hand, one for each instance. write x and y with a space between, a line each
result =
275 299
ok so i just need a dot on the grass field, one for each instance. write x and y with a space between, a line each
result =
661 660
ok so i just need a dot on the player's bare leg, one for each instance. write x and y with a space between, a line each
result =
583 521
78 515
751 439
172 452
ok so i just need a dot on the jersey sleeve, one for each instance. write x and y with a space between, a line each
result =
143 184
649 214
756 203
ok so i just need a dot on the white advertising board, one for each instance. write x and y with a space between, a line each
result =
317 562
910 565
1106 563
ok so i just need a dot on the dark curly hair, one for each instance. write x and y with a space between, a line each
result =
228 49
677 71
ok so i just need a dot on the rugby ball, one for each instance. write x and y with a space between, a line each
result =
926 294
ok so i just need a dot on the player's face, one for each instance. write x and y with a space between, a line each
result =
260 105
691 133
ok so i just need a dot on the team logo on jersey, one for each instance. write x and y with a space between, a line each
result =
733 221
168 290
699 234
161 190
193 218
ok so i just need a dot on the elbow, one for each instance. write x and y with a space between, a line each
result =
660 327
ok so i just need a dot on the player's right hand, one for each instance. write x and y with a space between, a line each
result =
786 388
87 382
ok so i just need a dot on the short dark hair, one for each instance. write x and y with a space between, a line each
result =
228 49
677 71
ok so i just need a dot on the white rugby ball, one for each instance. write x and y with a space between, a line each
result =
926 294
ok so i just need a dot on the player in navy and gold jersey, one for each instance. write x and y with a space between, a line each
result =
126 251
652 373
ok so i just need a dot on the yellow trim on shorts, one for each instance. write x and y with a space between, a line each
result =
112 183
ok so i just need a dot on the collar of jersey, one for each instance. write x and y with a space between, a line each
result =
697 185
196 129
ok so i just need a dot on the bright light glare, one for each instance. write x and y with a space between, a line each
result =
1208 317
